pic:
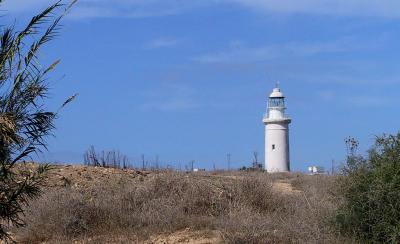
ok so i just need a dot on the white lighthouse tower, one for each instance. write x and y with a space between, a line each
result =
276 134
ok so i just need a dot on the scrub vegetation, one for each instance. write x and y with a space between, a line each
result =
368 192
235 207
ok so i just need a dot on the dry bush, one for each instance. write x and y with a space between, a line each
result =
301 217
244 226
165 203
243 208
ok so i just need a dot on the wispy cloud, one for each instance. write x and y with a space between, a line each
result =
370 101
171 96
170 104
378 8
19 6
365 100
326 95
345 78
151 8
244 54
163 42
112 8
135 8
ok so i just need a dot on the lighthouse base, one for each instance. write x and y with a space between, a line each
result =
277 147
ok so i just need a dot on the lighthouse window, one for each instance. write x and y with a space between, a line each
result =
273 146
277 102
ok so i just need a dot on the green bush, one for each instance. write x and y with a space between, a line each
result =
369 192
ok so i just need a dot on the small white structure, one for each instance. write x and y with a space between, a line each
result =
276 134
316 170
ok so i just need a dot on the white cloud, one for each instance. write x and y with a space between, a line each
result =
370 101
171 104
326 95
111 8
356 100
379 8
243 54
151 8
346 78
18 6
135 8
163 42
122 9
170 96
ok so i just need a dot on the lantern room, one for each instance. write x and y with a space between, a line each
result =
276 104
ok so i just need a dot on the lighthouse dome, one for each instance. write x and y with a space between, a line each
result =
276 93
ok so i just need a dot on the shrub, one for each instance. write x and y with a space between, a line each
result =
24 120
244 208
369 192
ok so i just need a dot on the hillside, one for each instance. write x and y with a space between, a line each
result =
104 205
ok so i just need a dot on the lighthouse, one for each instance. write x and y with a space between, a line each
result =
276 122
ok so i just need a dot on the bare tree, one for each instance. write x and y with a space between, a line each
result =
107 159
91 158
157 163
125 162
256 163
143 162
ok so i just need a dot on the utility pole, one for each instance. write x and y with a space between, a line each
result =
143 162
157 166
192 165
255 162
228 158
333 166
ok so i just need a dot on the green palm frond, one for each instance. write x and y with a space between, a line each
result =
24 120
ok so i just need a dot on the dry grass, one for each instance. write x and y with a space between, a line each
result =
241 207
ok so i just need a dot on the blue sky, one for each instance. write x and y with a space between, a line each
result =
189 80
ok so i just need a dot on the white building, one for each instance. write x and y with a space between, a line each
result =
316 170
276 122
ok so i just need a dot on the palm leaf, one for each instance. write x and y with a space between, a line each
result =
25 122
